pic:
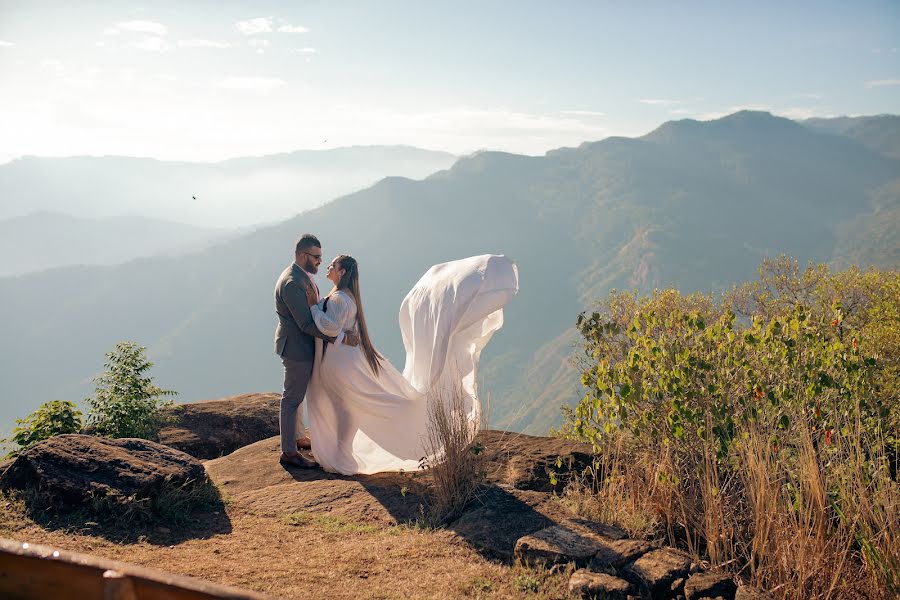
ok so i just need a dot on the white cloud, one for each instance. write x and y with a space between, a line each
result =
151 27
100 44
882 83
658 102
264 84
293 29
810 96
680 111
198 43
305 50
799 113
6 44
583 113
151 44
255 26
260 45
52 64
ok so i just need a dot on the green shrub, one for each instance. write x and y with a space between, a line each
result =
52 418
126 403
762 427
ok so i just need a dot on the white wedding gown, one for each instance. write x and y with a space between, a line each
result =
362 423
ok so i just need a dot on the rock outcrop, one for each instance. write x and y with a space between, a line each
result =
514 518
587 584
73 469
214 428
709 585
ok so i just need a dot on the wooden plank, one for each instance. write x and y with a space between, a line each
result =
30 572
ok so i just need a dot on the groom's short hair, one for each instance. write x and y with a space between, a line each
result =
307 241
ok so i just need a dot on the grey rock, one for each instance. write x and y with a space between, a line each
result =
656 572
615 554
499 519
558 544
600 586
745 592
72 469
711 584
214 428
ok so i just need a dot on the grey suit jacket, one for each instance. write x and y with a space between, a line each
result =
295 330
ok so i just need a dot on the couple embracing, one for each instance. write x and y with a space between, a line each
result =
365 416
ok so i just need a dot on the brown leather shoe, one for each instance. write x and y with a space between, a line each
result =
297 460
304 443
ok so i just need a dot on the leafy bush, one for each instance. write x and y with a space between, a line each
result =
52 418
126 403
761 428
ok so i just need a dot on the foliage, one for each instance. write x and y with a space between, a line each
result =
52 418
758 424
126 402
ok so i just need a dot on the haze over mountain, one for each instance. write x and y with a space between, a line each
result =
880 133
695 205
45 240
232 193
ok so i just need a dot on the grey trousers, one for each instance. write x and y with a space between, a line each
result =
296 380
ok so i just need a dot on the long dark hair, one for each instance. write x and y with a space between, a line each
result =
350 283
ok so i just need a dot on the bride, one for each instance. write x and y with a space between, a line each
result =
364 415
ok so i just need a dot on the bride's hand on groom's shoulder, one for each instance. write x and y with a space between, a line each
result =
351 339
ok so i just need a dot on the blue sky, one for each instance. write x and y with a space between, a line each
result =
207 80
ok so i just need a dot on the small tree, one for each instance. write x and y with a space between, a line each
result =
126 403
52 418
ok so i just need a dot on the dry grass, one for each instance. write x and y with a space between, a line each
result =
303 555
456 460
813 520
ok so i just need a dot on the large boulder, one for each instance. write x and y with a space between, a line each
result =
214 428
74 469
586 584
558 544
711 584
524 462
660 573
577 541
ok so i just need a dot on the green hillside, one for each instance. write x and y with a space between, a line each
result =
693 205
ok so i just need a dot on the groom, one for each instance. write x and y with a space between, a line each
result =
295 293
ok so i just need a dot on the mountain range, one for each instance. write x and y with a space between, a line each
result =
234 193
45 240
695 205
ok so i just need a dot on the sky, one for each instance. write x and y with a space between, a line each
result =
212 79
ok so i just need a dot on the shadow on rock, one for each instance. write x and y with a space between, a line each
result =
254 481
202 518
124 489
494 522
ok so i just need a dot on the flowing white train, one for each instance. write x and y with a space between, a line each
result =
363 423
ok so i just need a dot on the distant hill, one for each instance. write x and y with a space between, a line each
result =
880 133
695 205
47 240
231 193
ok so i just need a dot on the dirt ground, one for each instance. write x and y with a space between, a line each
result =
300 555
304 535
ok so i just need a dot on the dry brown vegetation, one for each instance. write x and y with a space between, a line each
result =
298 555
767 447
456 462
